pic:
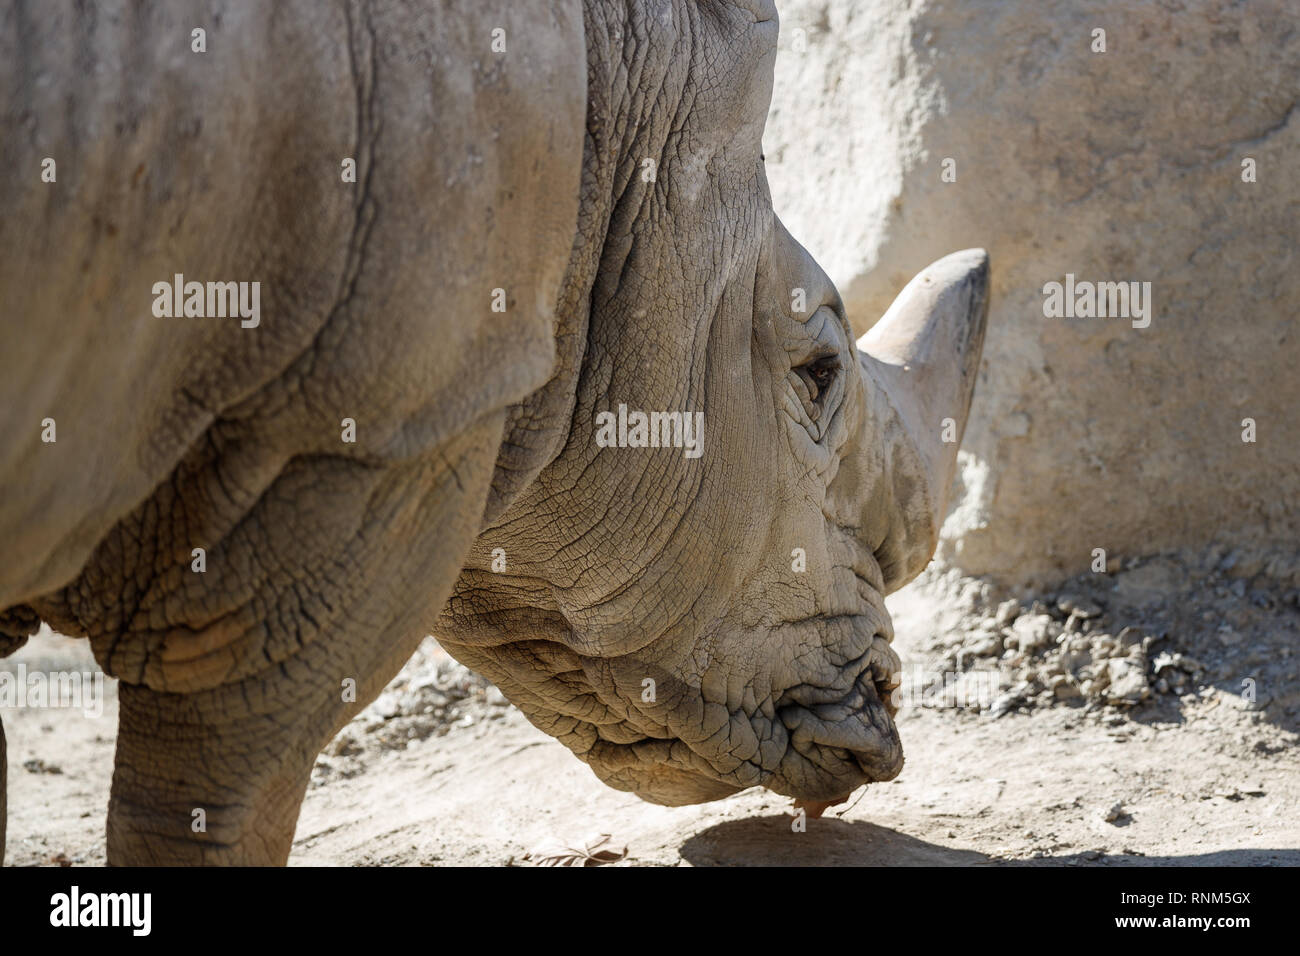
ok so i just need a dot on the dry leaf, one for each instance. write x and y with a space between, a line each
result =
595 851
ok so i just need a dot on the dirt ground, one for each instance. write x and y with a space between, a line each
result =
1109 723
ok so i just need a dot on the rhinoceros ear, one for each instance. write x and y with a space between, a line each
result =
922 358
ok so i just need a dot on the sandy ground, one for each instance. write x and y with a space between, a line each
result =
441 771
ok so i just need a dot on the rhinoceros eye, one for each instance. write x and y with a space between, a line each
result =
819 374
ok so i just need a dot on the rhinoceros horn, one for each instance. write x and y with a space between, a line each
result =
923 357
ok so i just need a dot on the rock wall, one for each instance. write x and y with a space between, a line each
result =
1122 165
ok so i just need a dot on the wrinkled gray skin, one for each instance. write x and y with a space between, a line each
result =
328 561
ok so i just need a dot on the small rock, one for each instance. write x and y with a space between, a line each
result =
1002 704
1115 813
1066 691
1075 663
1033 631
1078 606
1127 681
1008 611
1167 661
1009 700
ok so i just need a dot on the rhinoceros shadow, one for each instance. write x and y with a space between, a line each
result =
769 841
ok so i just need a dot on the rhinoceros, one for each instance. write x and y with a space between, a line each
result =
330 326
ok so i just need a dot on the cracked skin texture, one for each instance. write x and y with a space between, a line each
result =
626 566
326 562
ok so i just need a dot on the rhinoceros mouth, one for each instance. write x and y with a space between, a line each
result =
850 736
821 736
882 762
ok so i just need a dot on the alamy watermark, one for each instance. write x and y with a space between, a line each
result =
683 430
75 908
21 689
921 688
212 300
1102 300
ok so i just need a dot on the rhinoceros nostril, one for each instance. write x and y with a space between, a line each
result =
886 691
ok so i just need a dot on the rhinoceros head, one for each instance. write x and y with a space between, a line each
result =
695 605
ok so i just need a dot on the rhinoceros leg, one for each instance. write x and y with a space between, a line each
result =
16 625
221 718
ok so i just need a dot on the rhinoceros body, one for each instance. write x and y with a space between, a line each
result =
368 320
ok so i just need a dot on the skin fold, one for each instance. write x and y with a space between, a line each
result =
475 503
